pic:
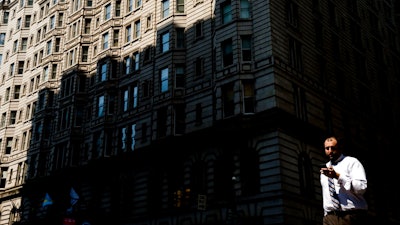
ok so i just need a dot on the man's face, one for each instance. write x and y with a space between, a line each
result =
331 149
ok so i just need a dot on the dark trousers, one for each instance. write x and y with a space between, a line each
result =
356 217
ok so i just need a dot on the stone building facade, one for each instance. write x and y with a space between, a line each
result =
181 112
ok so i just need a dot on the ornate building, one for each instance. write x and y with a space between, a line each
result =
142 112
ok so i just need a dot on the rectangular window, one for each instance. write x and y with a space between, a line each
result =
125 100
130 5
199 29
127 64
24 44
137 29
138 3
128 33
54 71
136 56
198 67
57 47
164 42
87 26
180 37
116 38
246 48
134 96
103 72
179 76
292 14
2 38
5 17
165 8
226 9
164 80
180 6
13 117
48 47
295 56
244 9
100 106
85 53
52 22
105 41
21 67
227 53
27 23
107 12
17 90
118 8
248 96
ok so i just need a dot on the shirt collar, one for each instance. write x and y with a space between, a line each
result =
337 160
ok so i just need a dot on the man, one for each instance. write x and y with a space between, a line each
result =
349 186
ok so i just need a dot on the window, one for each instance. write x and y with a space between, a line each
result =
125 97
180 37
164 80
136 56
27 23
13 116
118 8
227 53
248 96
52 22
244 9
128 33
164 9
127 64
130 5
138 3
60 19
180 6
295 56
164 42
199 29
198 67
54 71
116 38
134 99
292 14
2 38
21 67
85 53
100 106
9 145
5 17
228 100
137 29
57 47
103 72
107 12
18 24
179 76
48 47
87 26
226 10
11 72
246 48
15 46
17 90
105 41
24 43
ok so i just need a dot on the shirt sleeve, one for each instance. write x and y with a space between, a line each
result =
353 177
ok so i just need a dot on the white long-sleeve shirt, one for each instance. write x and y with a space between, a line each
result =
350 186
